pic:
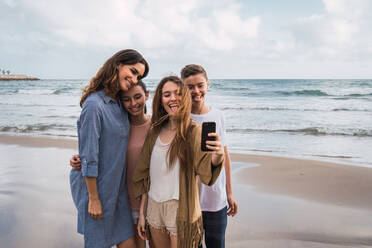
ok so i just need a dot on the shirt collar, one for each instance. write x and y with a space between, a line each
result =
105 98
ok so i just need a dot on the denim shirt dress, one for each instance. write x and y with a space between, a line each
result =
103 132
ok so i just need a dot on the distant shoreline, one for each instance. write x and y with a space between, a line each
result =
16 77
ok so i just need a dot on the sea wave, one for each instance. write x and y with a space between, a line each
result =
59 116
316 131
60 135
302 93
364 84
59 91
352 109
63 90
9 92
358 95
294 109
38 105
233 89
298 93
344 98
35 128
321 93
35 92
332 156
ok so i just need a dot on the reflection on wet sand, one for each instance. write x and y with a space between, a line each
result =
35 204
36 209
276 221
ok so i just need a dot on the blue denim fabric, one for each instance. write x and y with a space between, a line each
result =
214 224
103 131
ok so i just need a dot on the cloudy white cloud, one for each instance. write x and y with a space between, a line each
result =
152 24
218 34
342 31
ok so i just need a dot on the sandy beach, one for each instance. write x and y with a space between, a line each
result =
283 202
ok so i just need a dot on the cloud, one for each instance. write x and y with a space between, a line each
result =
339 33
225 30
150 24
227 36
347 9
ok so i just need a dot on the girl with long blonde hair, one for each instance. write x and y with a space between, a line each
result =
170 161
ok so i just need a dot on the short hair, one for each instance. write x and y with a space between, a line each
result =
191 70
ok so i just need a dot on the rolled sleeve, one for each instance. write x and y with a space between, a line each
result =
207 172
89 137
89 169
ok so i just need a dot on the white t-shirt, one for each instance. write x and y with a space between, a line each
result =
213 198
164 184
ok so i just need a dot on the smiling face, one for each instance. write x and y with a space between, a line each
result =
198 86
134 100
130 74
171 98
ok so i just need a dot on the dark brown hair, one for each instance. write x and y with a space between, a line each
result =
107 76
160 118
144 88
192 69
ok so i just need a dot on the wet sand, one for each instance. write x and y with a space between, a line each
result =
36 209
283 202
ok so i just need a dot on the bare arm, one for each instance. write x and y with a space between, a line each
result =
94 205
141 226
233 206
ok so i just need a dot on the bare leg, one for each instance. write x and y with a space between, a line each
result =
151 243
129 243
173 241
160 239
139 242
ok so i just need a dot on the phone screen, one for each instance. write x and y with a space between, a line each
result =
207 127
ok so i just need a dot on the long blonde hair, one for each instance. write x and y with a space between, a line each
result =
160 118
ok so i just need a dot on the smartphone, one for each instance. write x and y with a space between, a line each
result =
207 127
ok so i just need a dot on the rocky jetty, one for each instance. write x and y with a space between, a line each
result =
17 77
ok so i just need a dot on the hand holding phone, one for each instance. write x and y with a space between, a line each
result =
207 127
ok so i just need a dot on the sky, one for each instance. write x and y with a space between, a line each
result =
71 39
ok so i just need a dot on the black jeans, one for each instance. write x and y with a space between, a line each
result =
214 224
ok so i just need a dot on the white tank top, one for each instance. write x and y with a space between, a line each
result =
164 183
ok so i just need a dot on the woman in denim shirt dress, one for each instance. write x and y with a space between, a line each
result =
98 190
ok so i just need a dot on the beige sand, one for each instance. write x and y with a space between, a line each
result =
286 202
283 202
32 141
333 183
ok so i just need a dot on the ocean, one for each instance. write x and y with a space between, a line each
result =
313 119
